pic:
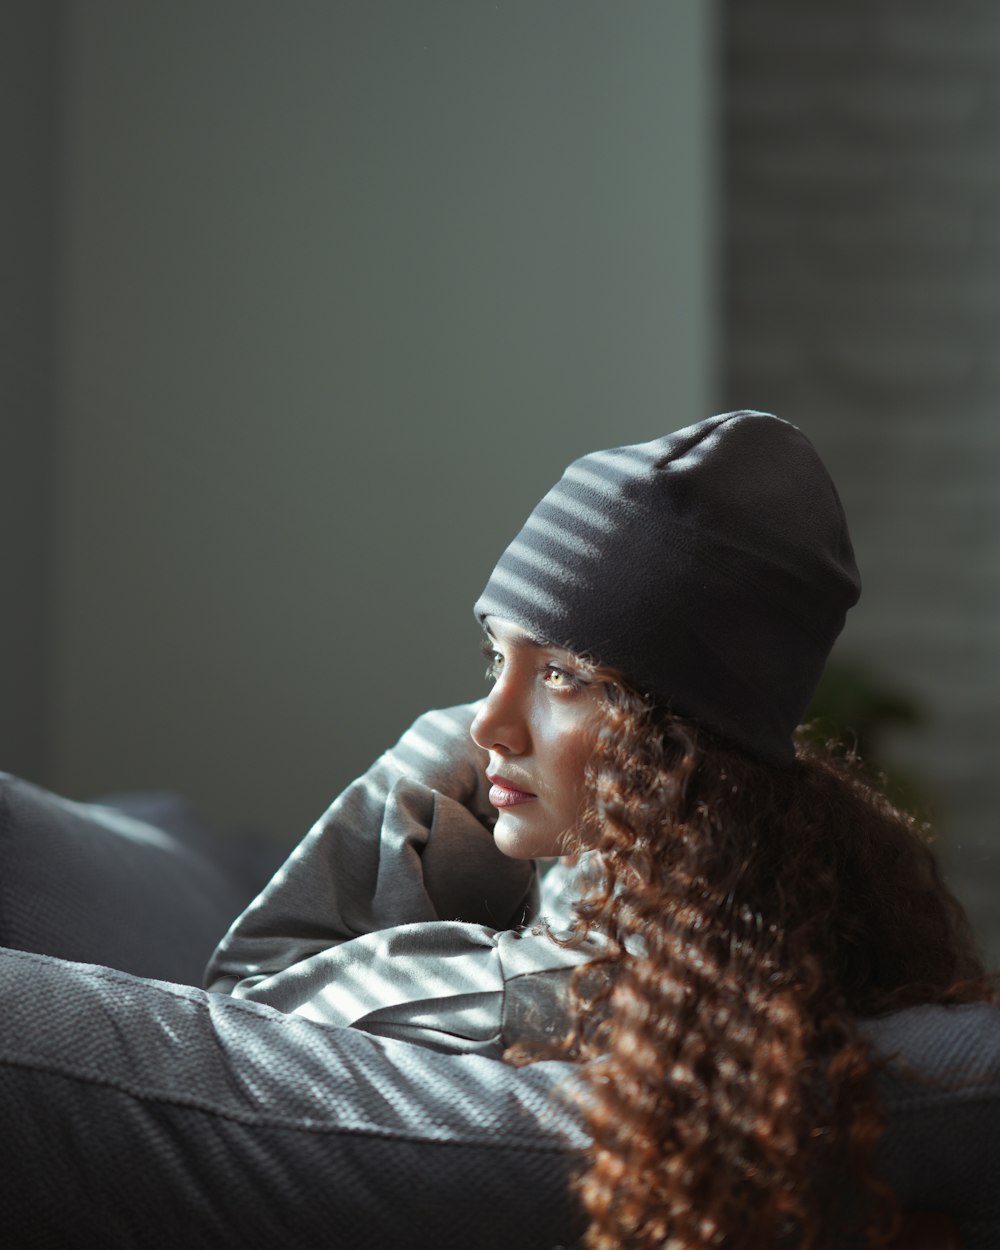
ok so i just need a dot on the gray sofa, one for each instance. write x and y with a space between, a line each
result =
146 1113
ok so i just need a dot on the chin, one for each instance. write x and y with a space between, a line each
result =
515 837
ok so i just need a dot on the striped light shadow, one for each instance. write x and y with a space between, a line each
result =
602 483
375 790
557 533
544 1099
446 735
473 1017
522 589
380 973
630 459
300 971
578 512
454 723
348 1080
356 992
415 743
531 555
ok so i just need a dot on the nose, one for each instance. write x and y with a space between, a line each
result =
500 726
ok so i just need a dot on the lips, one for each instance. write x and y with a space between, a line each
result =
504 793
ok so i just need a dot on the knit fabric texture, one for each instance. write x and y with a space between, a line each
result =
89 883
713 567
155 1116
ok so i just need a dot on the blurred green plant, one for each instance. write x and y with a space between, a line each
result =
856 709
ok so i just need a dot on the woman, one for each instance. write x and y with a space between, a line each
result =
654 634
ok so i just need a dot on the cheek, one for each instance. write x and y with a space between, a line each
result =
569 766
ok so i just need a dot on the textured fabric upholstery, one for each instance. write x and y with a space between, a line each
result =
86 882
942 1148
141 1114
144 1114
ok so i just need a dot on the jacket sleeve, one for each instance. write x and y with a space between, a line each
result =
450 985
406 844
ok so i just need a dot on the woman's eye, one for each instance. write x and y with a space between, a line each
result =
494 662
559 678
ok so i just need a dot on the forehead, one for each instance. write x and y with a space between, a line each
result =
513 636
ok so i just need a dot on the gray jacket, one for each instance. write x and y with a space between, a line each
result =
396 914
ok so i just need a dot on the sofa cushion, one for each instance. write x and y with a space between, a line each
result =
88 883
164 1116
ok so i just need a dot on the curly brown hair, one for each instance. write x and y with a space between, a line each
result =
753 914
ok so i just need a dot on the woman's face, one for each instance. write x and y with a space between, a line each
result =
538 725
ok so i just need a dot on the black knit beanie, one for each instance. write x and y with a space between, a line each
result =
712 567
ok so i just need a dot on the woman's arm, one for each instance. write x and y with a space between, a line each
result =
450 985
405 844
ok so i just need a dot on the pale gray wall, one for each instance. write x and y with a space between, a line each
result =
343 286
29 102
863 299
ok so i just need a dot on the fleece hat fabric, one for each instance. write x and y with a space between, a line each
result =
712 567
